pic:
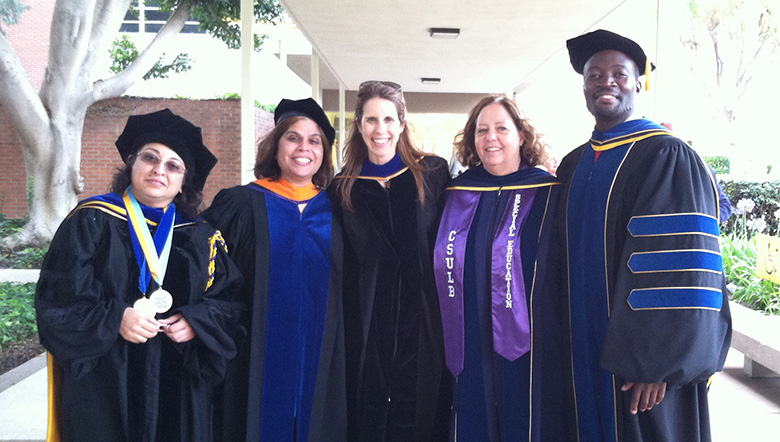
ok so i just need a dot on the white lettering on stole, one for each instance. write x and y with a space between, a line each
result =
509 250
450 260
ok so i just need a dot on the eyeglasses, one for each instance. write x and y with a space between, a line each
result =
171 166
370 83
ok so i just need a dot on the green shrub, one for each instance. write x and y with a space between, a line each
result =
17 312
739 266
29 258
10 226
236 96
721 164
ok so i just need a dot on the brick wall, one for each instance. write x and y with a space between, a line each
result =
105 120
13 179
32 52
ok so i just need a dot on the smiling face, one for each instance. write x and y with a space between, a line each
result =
611 84
157 176
498 140
380 128
300 152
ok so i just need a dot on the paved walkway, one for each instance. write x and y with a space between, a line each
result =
742 409
19 275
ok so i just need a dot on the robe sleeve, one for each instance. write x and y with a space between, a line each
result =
669 321
217 314
231 213
78 321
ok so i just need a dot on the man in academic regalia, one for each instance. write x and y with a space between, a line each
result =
648 306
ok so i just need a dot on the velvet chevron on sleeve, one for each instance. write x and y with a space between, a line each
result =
647 296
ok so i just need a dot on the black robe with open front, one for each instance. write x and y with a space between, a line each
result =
397 385
243 214
647 296
496 399
112 390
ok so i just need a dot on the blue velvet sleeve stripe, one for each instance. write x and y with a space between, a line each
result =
676 298
676 261
673 224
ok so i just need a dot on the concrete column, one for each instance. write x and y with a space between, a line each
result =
247 95
342 126
316 91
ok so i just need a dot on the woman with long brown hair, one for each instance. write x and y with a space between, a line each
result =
386 196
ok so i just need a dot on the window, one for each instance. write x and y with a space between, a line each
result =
147 17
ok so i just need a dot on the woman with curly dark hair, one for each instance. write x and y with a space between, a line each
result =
498 319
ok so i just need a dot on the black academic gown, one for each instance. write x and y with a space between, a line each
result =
647 295
242 214
496 399
395 362
113 390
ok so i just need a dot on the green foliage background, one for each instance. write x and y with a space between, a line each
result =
28 258
764 195
738 243
123 52
221 18
17 312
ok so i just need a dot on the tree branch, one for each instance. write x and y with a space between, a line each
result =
118 84
68 43
20 99
108 18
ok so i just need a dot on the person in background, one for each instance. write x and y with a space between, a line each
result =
648 303
137 298
387 196
287 384
723 199
501 324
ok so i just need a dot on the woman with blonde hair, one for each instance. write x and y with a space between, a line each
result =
386 196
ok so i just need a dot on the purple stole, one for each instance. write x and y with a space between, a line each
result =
511 326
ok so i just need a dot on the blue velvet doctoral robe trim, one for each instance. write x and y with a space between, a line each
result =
382 170
625 133
300 245
587 210
113 204
673 224
677 297
493 399
588 205
480 179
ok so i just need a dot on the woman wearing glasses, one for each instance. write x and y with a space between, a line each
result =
137 299
387 196
287 384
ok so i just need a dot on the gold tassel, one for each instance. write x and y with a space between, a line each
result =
215 239
647 75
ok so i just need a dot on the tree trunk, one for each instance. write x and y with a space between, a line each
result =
56 182
50 122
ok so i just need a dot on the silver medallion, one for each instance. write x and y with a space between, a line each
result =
162 300
145 306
